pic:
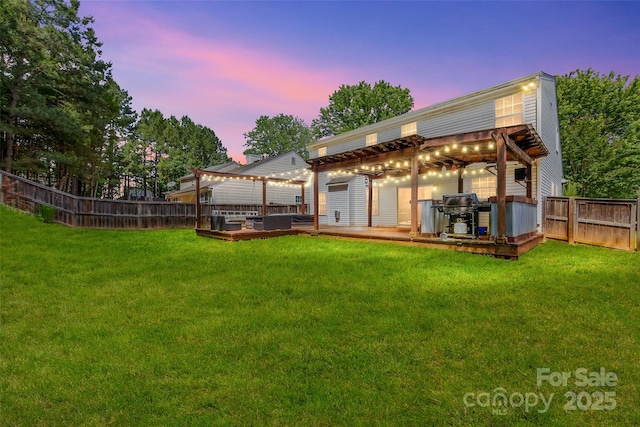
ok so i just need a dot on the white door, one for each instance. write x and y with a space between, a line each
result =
338 205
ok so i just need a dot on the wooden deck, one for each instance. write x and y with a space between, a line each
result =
484 245
246 234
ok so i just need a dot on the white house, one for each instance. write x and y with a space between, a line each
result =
450 147
231 184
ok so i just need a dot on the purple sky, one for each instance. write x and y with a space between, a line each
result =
224 64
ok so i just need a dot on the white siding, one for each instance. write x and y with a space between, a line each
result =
530 111
550 167
358 202
387 207
472 118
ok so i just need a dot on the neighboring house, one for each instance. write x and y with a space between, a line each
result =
343 193
234 191
187 191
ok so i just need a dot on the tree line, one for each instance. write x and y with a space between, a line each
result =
66 122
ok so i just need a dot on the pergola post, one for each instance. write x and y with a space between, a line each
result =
198 207
316 208
370 202
414 195
501 165
529 182
302 210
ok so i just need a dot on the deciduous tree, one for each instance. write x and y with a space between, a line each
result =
351 107
600 131
277 135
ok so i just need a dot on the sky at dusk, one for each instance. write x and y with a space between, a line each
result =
224 64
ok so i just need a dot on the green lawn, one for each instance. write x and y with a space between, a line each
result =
165 328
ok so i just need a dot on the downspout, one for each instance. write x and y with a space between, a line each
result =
537 163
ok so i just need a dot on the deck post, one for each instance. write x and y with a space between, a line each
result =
529 181
460 181
501 164
198 207
414 195
316 208
264 197
302 211
370 201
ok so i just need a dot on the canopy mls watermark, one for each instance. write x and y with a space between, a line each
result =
573 383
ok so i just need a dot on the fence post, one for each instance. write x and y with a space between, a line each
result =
571 220
638 224
76 212
543 226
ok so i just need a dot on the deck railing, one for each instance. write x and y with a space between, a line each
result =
89 212
611 223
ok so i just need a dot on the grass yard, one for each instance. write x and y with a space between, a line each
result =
165 328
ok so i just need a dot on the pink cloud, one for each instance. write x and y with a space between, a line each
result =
221 84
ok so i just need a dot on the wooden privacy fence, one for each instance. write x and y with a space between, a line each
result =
88 212
603 222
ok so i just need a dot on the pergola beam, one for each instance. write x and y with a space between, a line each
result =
461 138
201 172
366 159
520 154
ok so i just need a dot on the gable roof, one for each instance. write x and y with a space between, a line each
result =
243 169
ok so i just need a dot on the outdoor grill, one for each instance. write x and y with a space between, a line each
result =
461 211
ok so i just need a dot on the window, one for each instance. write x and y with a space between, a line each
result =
509 110
298 200
409 129
322 203
484 187
374 201
322 151
293 161
372 139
